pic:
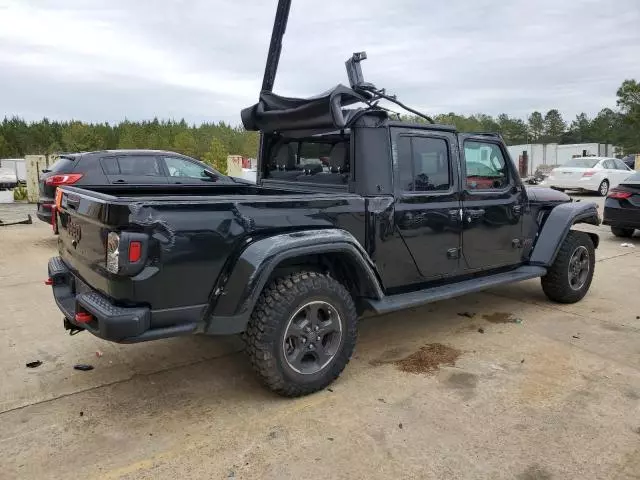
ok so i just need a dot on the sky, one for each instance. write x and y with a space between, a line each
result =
202 60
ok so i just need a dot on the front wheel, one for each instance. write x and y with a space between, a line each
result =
622 232
302 333
569 278
603 189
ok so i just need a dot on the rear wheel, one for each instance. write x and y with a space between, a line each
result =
603 189
622 232
569 278
302 333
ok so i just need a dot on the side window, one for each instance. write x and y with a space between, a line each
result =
486 167
110 166
423 164
620 165
140 165
179 167
608 164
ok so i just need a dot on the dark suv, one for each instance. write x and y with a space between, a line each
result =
121 167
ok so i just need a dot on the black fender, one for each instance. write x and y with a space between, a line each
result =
557 226
234 298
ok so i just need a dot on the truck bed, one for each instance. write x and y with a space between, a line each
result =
193 233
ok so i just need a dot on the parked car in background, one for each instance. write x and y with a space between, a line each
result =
591 174
117 168
8 178
622 207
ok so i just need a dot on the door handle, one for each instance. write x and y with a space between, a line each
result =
517 209
455 215
120 181
476 213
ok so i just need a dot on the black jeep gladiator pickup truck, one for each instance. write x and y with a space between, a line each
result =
353 212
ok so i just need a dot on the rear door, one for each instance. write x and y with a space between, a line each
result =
493 201
427 210
133 169
184 171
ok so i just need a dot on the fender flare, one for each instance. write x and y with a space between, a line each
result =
556 228
236 295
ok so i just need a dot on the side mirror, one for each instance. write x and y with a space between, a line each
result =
211 175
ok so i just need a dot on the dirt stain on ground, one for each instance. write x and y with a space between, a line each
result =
499 317
428 359
535 472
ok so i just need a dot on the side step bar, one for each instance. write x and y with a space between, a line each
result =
414 299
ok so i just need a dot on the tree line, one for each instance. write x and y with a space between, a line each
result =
212 142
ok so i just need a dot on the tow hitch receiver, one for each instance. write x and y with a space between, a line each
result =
71 327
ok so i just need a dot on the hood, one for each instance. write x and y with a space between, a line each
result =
546 195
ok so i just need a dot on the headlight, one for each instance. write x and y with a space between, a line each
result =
113 245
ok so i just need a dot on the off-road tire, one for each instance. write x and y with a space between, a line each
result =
622 232
603 188
266 330
555 283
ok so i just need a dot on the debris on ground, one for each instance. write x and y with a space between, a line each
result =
467 314
481 330
99 353
81 413
35 364
428 359
330 439
400 426
501 317
330 390
576 336
628 245
84 367
27 221
382 400
522 361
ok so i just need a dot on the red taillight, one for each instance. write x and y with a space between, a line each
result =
48 281
589 173
64 179
83 317
619 194
135 251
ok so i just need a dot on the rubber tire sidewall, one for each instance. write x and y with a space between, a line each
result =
555 283
622 232
600 188
279 300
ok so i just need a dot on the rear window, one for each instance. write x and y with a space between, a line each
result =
62 164
582 162
317 160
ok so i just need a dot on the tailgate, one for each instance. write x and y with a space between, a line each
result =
84 219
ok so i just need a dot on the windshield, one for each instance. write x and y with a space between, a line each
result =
582 162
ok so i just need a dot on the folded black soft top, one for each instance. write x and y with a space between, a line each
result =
274 113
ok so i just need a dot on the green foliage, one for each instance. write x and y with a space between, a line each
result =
20 193
19 138
536 126
554 126
217 155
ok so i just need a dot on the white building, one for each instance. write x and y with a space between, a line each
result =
16 165
555 154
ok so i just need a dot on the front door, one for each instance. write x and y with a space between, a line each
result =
493 202
427 210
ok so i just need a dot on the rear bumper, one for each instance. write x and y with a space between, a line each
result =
571 184
44 211
112 322
615 216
